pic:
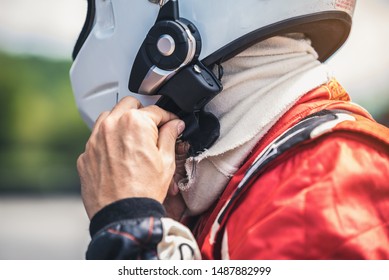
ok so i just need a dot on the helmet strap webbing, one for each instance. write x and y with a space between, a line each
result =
202 128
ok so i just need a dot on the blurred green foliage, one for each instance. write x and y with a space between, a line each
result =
42 133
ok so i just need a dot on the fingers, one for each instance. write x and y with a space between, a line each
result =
173 188
182 149
158 115
170 127
168 135
124 105
98 122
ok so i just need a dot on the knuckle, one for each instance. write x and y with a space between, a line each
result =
131 118
103 115
107 125
131 114
154 108
90 145
80 162
132 100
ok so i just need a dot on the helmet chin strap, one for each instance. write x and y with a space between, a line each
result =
202 128
167 64
185 95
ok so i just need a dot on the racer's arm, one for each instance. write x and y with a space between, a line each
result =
125 174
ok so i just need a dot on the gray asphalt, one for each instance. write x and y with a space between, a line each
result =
43 228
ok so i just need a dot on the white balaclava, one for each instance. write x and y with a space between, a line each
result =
260 85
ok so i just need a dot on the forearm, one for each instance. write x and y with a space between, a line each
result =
134 228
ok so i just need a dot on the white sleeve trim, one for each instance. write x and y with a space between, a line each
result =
177 242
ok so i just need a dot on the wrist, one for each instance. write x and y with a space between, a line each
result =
125 209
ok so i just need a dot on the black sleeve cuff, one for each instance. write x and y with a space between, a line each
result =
125 209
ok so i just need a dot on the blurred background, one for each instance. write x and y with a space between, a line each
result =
42 134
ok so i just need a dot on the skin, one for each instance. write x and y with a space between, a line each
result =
174 203
130 153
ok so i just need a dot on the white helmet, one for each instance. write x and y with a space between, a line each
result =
149 48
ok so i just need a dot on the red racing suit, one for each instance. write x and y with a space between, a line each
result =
324 197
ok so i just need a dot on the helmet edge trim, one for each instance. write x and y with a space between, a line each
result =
301 24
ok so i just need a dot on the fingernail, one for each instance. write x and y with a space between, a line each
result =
180 127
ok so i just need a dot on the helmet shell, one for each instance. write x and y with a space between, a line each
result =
115 29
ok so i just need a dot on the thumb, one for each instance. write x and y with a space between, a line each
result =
168 134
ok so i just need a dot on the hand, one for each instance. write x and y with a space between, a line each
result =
130 153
